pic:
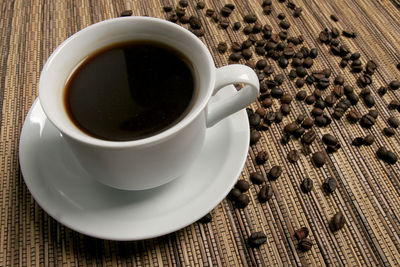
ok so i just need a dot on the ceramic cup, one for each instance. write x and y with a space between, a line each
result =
158 159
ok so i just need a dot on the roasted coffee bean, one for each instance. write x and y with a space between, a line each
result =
206 218
353 98
274 173
200 5
224 23
300 118
261 64
338 90
335 32
247 29
257 27
290 127
267 10
246 53
369 100
257 178
293 156
276 93
183 3
257 239
215 17
279 79
358 141
299 82
180 12
337 222
353 116
301 71
198 32
261 157
283 62
242 185
288 52
278 117
310 79
394 104
267 102
317 112
369 140
306 187
319 159
127 13
382 90
285 109
242 201
323 83
262 112
305 245
292 74
268 70
254 120
332 149
343 63
349 34
237 25
195 22
286 98
321 121
329 140
235 57
184 20
284 24
324 37
254 137
260 43
301 233
355 56
367 121
381 152
308 62
301 95
246 44
393 122
210 12
298 132
173 17
335 50
307 123
308 137
319 103
266 3
250 18
313 53
222 47
310 99
167 8
394 85
281 16
285 138
338 113
296 62
330 100
386 155
226 11
234 194
364 80
388 131
329 185
265 194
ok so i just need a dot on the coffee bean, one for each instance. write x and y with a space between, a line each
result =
301 71
319 159
398 66
246 53
337 222
224 23
247 30
200 5
329 185
353 98
250 18
330 100
353 116
299 132
261 157
265 194
285 138
388 131
308 137
267 102
262 112
343 63
278 117
285 109
310 99
257 178
364 80
242 201
222 47
323 83
284 24
183 3
393 122
329 140
267 10
283 62
394 104
382 90
260 43
301 233
234 194
394 85
316 112
226 11
127 13
257 239
381 152
268 70
281 16
374 113
254 120
274 173
242 185
321 121
235 57
257 27
286 98
308 62
300 118
293 156
369 100
206 218
390 157
266 3
306 185
184 20
367 121
173 17
324 37
254 137
369 140
167 8
305 245
180 12
290 128
279 79
261 64
307 123
301 95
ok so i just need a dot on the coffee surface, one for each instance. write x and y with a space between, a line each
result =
129 91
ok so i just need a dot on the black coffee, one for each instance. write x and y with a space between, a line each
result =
131 90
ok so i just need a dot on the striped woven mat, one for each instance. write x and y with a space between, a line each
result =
368 189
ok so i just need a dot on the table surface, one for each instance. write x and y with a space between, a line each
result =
368 192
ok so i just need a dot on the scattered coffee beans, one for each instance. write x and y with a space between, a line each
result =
274 173
305 245
329 185
257 239
337 222
265 194
261 157
257 178
293 156
306 185
242 201
319 159
242 185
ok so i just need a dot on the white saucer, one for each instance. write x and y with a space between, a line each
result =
62 189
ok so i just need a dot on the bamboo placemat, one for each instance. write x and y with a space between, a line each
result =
368 191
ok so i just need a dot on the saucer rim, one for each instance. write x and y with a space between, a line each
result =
241 120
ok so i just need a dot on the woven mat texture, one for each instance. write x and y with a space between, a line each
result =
368 192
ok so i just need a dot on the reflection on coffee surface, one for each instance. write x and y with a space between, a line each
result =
131 90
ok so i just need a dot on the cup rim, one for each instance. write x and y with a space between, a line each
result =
84 138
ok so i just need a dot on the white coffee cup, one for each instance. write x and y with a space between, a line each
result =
158 159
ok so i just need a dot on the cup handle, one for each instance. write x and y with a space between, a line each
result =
227 75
